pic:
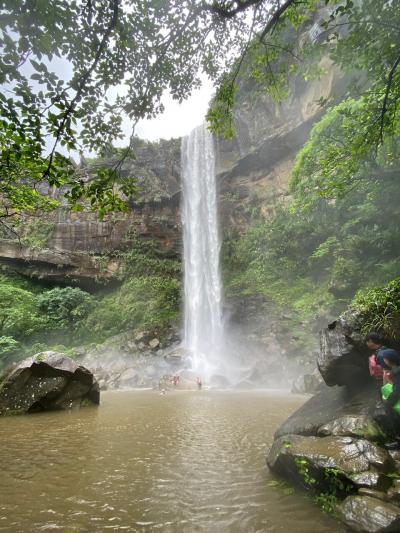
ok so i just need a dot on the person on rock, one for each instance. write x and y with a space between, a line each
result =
377 367
391 361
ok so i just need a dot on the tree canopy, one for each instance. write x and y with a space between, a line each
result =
71 69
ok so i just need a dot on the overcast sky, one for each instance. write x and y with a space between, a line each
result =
177 120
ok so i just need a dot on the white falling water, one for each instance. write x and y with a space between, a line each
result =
203 326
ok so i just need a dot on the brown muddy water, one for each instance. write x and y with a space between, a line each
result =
141 462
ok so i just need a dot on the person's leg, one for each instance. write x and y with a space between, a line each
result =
393 428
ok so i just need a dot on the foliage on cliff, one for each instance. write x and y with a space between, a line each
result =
149 47
34 318
380 307
339 233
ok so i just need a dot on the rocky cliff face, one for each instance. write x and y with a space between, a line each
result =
253 173
254 167
78 248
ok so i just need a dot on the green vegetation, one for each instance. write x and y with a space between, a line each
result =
335 485
380 308
281 486
34 318
101 45
338 234
144 302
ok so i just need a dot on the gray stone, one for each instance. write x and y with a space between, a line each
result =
176 356
47 381
154 343
343 356
363 513
353 426
128 378
307 383
328 405
364 491
357 462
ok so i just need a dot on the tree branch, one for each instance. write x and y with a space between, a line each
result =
225 12
386 98
83 80
273 21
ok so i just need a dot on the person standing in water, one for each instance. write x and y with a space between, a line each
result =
199 383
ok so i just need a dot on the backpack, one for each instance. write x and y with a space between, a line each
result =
374 369
386 392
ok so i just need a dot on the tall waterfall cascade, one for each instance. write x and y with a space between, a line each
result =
203 321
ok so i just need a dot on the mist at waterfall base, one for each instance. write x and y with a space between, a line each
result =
215 354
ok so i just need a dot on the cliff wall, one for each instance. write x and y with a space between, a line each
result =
253 173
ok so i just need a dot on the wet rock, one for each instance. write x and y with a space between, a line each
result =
176 356
364 491
343 356
353 426
363 513
394 491
128 378
154 343
357 462
329 404
47 381
307 383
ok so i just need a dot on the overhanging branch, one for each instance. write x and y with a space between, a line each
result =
82 82
385 104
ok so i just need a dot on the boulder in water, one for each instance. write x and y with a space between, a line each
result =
328 405
363 513
47 381
360 426
154 344
309 460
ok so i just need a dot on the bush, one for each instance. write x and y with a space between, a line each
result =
8 346
142 302
381 309
65 306
19 313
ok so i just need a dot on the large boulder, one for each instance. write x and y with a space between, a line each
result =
363 513
360 426
343 356
328 405
47 381
309 461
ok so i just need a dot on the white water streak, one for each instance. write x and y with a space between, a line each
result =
203 325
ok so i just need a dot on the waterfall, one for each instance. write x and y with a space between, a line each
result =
203 325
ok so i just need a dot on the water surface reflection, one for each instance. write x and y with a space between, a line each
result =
184 462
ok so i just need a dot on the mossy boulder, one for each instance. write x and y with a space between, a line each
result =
309 461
